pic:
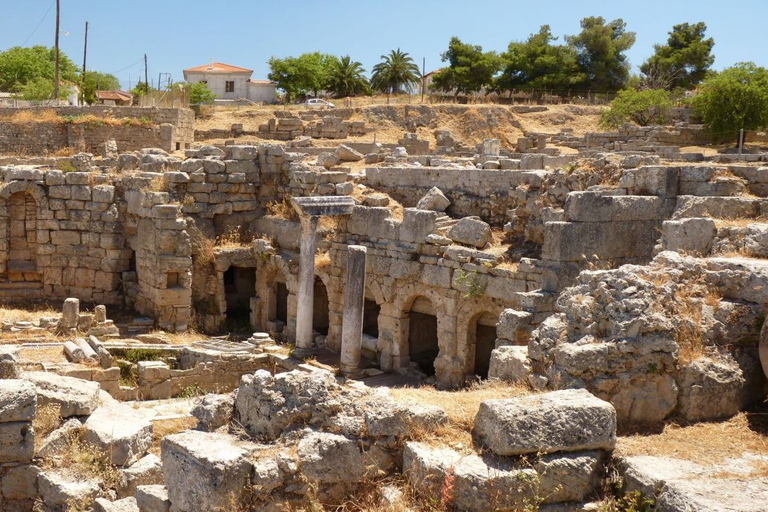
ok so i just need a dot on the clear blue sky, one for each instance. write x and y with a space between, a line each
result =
181 34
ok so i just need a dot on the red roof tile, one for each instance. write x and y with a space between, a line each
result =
217 67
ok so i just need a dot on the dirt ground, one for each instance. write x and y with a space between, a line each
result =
468 124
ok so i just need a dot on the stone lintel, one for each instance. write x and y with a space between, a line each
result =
323 205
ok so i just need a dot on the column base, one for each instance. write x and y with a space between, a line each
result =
303 353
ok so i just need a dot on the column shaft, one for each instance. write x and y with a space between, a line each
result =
306 297
354 302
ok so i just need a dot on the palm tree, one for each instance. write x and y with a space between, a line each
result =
396 72
346 78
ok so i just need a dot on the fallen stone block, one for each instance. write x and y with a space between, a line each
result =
117 430
9 362
147 471
434 200
123 505
60 487
205 471
347 154
56 442
213 411
75 397
17 442
330 458
569 420
152 498
471 231
510 363
20 482
18 400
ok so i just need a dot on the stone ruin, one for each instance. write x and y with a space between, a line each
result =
621 286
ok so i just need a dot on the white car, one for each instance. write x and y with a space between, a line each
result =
318 103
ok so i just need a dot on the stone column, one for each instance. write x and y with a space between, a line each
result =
306 297
354 301
70 313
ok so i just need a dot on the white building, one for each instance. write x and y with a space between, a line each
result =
231 83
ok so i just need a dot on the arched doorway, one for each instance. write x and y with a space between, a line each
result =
320 314
22 237
239 289
482 336
422 335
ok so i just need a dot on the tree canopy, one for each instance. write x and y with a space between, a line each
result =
395 73
22 66
734 99
600 47
644 107
346 78
538 64
470 69
307 73
685 58
95 81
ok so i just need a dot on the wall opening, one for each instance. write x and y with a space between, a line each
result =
371 312
422 335
482 332
22 238
281 302
239 288
320 316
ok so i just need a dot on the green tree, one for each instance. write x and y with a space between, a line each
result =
395 73
95 81
20 66
346 78
39 89
307 73
734 99
600 47
470 69
644 107
538 64
685 58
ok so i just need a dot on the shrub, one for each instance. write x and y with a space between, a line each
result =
649 106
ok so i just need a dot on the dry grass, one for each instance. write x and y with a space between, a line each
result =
47 419
182 338
166 427
34 116
460 406
282 210
322 260
740 223
85 460
234 238
702 443
27 314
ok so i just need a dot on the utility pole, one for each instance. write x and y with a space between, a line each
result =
56 77
146 74
423 80
85 53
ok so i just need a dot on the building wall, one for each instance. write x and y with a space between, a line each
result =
259 92
217 83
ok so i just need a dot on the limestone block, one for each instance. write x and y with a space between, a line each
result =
327 160
510 363
596 207
18 400
568 477
70 312
75 397
471 231
386 417
20 482
694 235
9 361
205 471
644 398
347 154
573 241
214 411
123 505
512 324
416 225
59 487
56 442
569 420
118 431
17 442
152 498
330 458
434 200
345 189
147 471
103 194
709 390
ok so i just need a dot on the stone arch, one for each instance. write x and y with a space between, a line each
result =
276 289
470 315
22 206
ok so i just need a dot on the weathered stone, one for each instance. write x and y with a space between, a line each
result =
213 411
9 362
75 397
694 236
327 160
434 200
117 430
471 231
123 505
18 400
330 458
20 482
152 498
510 363
60 487
55 444
569 420
347 154
205 471
147 471
17 442
568 477
709 390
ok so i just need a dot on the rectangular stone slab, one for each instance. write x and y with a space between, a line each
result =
18 399
568 420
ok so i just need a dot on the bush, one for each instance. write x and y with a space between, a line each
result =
734 99
649 106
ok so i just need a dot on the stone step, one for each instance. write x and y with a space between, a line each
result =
20 285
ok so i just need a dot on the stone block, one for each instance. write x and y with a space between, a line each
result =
596 207
147 471
330 458
577 241
213 411
9 361
75 397
434 200
510 363
61 487
20 482
693 236
17 442
18 400
152 498
123 505
569 420
347 154
471 231
118 431
205 471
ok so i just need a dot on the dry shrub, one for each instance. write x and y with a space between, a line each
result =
322 260
282 210
65 152
31 313
166 427
234 237
205 250
740 222
47 419
687 308
85 460
34 116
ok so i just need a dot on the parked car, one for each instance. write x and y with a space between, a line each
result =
318 103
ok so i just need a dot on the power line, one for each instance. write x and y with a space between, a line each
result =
41 22
126 67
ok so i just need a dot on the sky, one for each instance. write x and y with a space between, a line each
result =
177 35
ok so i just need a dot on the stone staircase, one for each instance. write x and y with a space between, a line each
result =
444 223
21 290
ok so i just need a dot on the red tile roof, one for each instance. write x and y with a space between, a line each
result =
114 95
259 81
217 67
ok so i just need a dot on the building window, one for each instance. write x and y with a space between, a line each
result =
229 86
204 82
